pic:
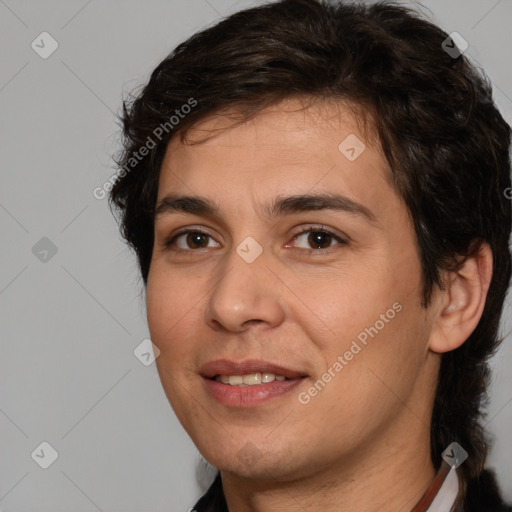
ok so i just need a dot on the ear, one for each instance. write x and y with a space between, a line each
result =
460 305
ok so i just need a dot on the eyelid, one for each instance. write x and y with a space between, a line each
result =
322 229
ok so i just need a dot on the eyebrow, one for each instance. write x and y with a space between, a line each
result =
279 207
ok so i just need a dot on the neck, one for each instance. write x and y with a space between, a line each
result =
391 478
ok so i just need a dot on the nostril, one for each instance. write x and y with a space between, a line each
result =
250 322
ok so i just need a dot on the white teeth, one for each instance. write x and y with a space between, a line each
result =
250 379
236 380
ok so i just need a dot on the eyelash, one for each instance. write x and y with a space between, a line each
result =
169 242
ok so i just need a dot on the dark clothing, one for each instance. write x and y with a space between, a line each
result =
482 495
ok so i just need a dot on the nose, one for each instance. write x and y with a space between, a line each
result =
246 294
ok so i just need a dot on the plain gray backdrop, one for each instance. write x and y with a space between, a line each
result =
72 313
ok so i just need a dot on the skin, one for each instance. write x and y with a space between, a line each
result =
362 443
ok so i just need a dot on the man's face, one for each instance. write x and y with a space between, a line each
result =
337 306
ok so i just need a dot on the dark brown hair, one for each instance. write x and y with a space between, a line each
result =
445 141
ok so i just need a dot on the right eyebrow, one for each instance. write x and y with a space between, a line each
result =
173 203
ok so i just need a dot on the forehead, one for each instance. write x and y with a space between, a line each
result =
293 147
290 122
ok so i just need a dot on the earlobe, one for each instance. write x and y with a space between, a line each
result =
461 305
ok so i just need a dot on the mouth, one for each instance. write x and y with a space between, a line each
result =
249 379
248 383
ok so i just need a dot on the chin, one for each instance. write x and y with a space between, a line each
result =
249 460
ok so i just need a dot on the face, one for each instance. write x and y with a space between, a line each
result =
300 261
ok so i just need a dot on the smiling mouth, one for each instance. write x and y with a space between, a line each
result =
248 383
249 379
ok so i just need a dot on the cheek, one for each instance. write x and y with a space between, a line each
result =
347 306
371 382
174 313
157 308
165 293
165 306
377 336
169 321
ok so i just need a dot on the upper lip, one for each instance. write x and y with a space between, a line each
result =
227 367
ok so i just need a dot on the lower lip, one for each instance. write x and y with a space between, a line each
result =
249 396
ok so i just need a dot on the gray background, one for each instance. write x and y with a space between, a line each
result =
70 324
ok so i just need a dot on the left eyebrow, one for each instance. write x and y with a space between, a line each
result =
279 207
315 202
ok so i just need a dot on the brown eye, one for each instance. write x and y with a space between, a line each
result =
196 237
188 241
318 239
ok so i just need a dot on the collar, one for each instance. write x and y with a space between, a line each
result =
442 493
